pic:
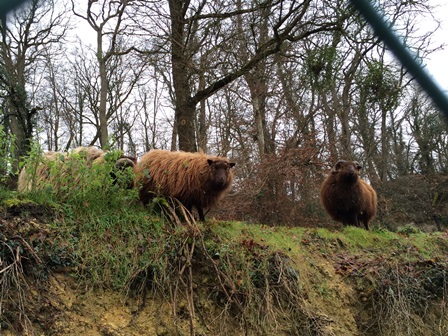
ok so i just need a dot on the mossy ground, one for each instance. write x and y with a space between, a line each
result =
125 270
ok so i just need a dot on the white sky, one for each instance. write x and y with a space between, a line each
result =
437 63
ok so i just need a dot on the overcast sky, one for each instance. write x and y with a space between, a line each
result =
437 64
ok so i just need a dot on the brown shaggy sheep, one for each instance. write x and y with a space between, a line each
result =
42 175
90 153
346 197
195 179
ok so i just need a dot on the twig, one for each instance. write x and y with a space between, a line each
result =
29 248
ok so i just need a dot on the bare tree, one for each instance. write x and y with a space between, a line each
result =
290 21
109 21
27 36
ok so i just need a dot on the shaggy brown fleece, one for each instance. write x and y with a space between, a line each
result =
195 179
346 197
28 181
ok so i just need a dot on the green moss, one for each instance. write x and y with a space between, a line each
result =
350 239
278 238
10 202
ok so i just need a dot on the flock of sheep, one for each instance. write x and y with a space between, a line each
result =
199 181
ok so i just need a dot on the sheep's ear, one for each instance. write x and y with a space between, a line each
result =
124 163
337 166
210 162
232 164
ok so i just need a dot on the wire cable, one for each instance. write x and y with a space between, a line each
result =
402 53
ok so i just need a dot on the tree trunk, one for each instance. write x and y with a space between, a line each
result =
103 92
184 108
202 127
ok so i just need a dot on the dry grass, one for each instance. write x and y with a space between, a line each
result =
14 288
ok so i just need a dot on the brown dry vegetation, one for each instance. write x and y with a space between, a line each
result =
284 190
417 200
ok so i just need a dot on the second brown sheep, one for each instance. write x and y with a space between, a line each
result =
66 168
346 197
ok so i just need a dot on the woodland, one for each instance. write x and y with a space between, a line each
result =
284 89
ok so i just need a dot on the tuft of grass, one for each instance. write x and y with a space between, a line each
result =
110 245
101 228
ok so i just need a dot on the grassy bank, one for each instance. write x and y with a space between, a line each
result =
212 278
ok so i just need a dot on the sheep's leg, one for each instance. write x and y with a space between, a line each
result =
366 225
189 210
352 219
365 221
145 196
357 223
201 214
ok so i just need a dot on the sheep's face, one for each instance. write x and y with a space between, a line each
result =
121 175
220 174
347 170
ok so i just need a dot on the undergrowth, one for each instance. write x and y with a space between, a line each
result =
403 295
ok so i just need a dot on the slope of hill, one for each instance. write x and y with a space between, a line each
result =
124 272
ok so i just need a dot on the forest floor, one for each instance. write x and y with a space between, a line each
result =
60 275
